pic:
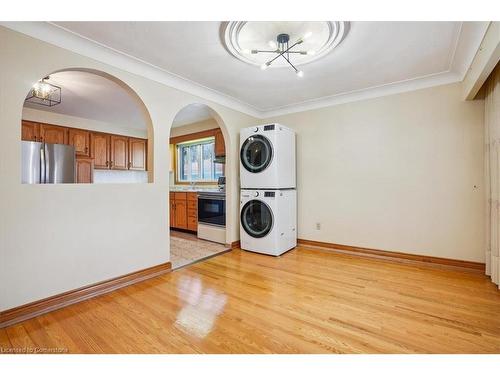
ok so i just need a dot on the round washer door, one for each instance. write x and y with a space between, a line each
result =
256 153
256 218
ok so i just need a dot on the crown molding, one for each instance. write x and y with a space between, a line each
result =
466 46
432 80
61 37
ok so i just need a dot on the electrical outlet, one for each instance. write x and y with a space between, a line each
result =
318 226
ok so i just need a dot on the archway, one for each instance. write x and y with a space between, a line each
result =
94 116
198 211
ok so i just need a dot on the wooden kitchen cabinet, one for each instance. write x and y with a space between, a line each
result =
183 211
100 150
192 211
53 134
80 139
30 131
137 151
219 148
84 170
119 152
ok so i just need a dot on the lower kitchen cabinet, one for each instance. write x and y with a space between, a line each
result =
84 170
183 211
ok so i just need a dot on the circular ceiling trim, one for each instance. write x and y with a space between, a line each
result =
337 31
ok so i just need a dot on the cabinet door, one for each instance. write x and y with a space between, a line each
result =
220 149
84 170
30 131
53 134
172 213
99 150
180 214
137 154
80 139
119 152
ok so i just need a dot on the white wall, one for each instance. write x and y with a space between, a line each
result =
394 173
194 127
56 238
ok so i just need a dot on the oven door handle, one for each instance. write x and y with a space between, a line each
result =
212 197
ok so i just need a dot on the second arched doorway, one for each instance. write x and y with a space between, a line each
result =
197 205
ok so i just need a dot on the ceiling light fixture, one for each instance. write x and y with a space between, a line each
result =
283 49
44 93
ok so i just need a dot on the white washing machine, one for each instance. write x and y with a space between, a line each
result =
268 220
267 157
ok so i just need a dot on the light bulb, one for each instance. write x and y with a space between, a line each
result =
311 53
246 51
300 73
307 35
272 44
264 66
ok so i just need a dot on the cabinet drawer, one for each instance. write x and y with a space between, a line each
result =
192 197
172 196
192 213
180 196
193 205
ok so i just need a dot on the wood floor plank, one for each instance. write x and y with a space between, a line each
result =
306 301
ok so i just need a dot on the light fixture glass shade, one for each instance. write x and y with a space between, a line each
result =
44 93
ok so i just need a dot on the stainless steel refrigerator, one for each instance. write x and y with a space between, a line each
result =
45 163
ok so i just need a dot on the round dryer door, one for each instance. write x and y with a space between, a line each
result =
256 153
256 218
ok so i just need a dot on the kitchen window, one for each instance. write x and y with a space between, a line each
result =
195 161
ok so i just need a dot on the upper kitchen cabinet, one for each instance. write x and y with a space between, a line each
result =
137 154
80 139
119 152
53 134
100 150
220 148
30 131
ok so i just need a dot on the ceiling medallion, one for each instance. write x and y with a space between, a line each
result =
282 44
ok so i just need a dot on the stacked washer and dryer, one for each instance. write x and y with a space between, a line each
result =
268 199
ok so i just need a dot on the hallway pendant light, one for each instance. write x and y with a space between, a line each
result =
44 93
284 50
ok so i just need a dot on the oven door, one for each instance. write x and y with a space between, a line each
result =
212 210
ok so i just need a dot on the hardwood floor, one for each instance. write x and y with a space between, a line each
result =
307 301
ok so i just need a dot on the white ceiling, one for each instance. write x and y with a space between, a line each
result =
372 54
91 96
374 59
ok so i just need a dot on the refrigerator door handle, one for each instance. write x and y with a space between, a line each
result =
42 164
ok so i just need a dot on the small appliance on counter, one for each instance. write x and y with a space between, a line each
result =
212 216
221 182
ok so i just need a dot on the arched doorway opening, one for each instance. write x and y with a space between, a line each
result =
197 204
85 126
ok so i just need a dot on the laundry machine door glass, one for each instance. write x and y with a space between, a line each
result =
256 218
256 153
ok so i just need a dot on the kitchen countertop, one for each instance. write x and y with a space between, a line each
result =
194 189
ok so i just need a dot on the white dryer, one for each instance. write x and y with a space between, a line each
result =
267 157
268 221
